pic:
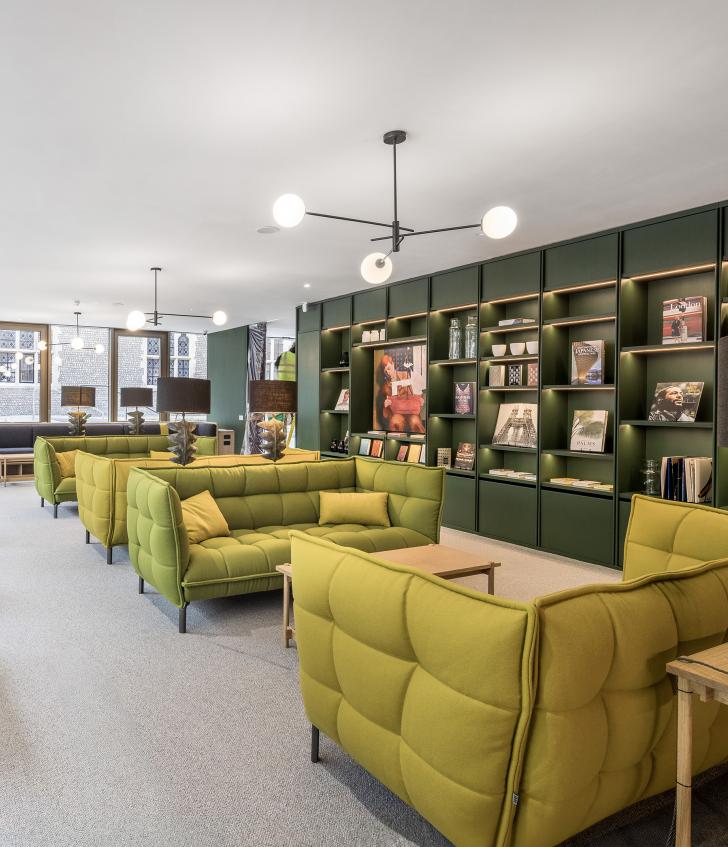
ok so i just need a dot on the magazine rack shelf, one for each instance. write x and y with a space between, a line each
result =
609 289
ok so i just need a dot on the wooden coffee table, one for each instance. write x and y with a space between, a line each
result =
435 559
704 674
15 459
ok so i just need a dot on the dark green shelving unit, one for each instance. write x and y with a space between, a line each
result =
606 287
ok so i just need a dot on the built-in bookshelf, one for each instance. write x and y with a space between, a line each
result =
608 288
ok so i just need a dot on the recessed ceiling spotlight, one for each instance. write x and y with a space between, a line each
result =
117 304
268 230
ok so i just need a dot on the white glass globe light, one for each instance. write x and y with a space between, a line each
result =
135 320
288 210
19 355
376 268
99 348
77 343
42 345
219 318
499 222
29 360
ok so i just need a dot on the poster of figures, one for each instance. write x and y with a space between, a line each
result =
400 382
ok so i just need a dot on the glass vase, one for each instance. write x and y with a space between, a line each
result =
650 473
471 337
456 339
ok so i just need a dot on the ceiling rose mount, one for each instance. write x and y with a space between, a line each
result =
289 210
135 319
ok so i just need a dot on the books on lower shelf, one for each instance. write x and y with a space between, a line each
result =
516 321
591 484
688 479
509 473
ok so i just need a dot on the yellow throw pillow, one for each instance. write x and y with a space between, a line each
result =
67 463
160 454
164 429
203 519
369 509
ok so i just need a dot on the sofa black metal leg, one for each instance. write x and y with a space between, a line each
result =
183 618
55 510
109 555
141 585
88 537
314 744
42 502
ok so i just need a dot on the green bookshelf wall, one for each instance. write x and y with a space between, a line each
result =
609 287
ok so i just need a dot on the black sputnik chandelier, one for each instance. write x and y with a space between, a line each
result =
289 210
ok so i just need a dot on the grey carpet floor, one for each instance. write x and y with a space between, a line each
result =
116 731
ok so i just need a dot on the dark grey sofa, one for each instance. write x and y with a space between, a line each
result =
20 437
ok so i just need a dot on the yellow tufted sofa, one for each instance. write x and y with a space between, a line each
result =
509 723
101 484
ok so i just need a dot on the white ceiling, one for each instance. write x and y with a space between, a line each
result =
136 134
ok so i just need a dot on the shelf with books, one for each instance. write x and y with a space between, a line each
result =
510 480
506 315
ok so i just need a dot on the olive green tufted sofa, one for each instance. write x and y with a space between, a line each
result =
262 504
509 723
54 488
101 484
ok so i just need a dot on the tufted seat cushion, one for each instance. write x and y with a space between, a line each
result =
252 554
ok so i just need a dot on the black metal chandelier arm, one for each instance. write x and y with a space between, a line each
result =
441 229
178 315
355 221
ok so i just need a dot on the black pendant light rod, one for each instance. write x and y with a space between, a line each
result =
355 221
428 231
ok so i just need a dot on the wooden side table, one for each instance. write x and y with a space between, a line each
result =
704 674
288 631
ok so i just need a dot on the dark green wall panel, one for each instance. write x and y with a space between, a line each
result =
370 305
307 418
625 509
457 288
310 319
408 298
459 509
509 277
590 260
680 242
336 312
578 525
227 370
508 511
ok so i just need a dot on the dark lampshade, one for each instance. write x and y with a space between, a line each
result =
78 395
180 394
271 395
136 397
723 392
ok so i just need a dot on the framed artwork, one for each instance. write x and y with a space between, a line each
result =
400 384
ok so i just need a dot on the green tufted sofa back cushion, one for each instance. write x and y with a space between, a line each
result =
258 496
667 536
427 684
124 446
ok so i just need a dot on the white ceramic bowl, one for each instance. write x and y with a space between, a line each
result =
499 349
517 348
532 347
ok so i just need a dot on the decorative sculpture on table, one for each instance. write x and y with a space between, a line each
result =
276 397
82 397
183 395
136 397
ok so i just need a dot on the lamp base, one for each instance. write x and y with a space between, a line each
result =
77 422
136 422
182 441
272 439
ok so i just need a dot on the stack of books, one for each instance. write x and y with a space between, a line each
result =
592 484
688 479
511 474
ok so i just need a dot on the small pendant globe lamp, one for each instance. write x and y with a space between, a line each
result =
178 394
136 397
82 397
273 397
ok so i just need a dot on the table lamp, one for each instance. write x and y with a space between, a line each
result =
185 395
272 396
78 396
136 397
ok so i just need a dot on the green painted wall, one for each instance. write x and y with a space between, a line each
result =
227 369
